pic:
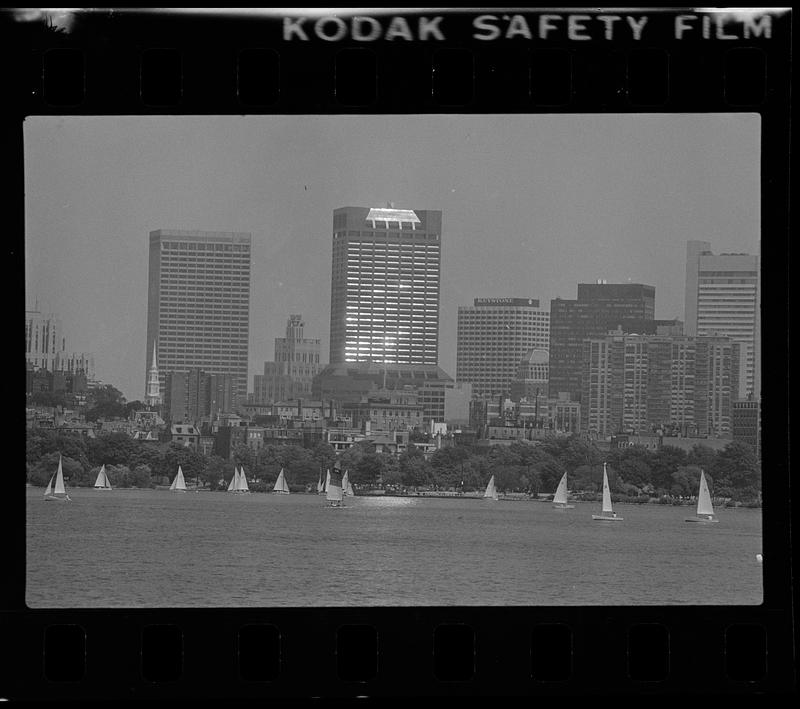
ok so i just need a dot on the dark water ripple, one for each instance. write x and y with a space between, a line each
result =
146 548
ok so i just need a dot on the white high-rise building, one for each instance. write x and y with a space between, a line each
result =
722 299
385 285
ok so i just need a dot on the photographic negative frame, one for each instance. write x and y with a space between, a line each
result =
559 63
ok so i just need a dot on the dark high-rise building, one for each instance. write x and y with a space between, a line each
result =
198 306
193 395
385 285
599 308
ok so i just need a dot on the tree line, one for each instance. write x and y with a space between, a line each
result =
635 473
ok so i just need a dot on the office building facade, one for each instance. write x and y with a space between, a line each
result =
722 299
198 308
599 307
385 285
494 334
44 339
296 363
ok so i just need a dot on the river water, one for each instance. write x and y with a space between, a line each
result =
154 548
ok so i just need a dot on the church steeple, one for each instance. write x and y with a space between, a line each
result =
153 395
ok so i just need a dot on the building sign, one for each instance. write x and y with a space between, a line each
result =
531 302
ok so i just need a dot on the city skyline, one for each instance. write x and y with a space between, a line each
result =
531 206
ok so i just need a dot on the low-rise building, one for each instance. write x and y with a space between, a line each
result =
185 434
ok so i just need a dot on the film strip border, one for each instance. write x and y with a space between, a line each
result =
174 64
169 65
490 652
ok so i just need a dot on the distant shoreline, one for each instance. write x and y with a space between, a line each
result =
514 497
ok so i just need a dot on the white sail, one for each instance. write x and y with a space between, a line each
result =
491 490
281 485
327 482
606 493
334 493
333 489
560 498
102 481
347 486
59 488
242 481
704 506
178 484
319 483
49 488
234 479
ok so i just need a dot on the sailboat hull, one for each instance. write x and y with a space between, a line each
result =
563 506
103 488
280 492
604 518
701 520
53 498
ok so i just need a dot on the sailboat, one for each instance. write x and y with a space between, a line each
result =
560 498
234 483
241 485
178 484
102 482
281 486
705 510
491 490
333 491
59 492
320 484
347 486
325 485
606 514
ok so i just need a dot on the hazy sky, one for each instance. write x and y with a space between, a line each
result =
531 206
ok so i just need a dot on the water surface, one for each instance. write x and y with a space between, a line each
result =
154 548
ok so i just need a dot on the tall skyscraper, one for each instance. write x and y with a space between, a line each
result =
722 299
292 372
385 285
44 339
600 307
198 307
494 334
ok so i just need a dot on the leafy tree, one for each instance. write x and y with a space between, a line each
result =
133 406
348 460
119 475
214 470
112 449
323 454
74 473
738 469
635 471
367 470
141 476
664 464
703 457
149 454
415 471
686 481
